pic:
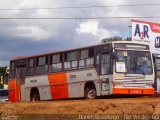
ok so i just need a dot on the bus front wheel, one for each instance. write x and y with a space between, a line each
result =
90 93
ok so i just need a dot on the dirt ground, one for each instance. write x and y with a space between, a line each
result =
83 109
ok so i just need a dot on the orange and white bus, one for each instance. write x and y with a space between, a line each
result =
103 69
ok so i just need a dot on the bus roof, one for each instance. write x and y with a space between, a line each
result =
38 55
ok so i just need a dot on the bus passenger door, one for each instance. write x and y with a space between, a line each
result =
98 63
105 73
21 73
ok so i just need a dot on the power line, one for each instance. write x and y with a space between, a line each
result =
77 7
75 18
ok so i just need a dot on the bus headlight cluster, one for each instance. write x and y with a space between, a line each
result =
117 84
105 84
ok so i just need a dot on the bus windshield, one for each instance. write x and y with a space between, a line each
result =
133 62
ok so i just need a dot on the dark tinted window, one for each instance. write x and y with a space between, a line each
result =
31 62
3 92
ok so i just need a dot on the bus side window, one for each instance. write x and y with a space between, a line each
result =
71 60
83 55
42 66
86 58
56 63
89 62
30 70
81 64
67 65
90 59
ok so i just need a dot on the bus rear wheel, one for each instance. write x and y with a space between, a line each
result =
90 93
35 96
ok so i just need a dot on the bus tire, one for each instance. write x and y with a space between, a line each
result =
35 96
90 93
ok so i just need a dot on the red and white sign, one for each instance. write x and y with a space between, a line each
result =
147 32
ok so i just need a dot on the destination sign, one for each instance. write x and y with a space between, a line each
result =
131 46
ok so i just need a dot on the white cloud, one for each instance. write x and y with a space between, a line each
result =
88 27
113 2
92 27
103 33
34 32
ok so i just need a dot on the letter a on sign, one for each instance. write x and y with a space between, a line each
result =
137 31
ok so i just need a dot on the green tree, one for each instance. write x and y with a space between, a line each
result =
127 39
115 38
3 70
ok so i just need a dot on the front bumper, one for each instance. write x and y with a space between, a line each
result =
146 91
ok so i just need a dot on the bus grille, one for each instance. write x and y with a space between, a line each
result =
140 83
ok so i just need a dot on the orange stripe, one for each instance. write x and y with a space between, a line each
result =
59 90
11 90
11 84
133 91
18 92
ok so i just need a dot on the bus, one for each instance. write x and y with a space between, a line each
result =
99 70
156 61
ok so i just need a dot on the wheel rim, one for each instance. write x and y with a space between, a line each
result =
91 94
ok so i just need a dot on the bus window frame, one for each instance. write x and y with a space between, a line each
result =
51 63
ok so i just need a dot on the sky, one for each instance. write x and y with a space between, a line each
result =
25 37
